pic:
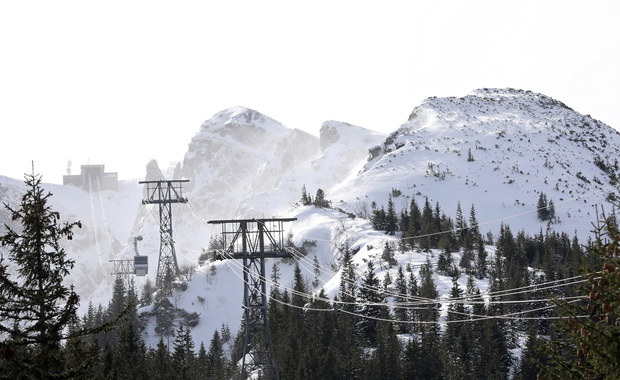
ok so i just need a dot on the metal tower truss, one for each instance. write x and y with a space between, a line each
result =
122 267
164 193
254 240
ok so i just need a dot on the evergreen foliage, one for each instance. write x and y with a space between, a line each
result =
306 200
546 208
36 307
362 337
592 347
320 200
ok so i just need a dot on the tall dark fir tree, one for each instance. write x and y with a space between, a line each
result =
35 306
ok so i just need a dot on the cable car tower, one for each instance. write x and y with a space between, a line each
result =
254 240
164 193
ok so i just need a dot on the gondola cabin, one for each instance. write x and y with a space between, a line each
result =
140 265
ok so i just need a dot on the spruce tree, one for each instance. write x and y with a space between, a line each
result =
542 207
481 259
347 276
428 289
592 345
415 227
216 360
388 254
183 357
370 295
316 268
427 226
470 156
413 292
147 293
35 306
159 360
400 313
202 367
378 219
320 201
460 224
305 198
130 353
391 221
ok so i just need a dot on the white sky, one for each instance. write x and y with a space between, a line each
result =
122 82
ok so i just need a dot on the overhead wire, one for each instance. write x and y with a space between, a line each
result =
421 300
514 316
94 225
467 298
314 297
392 304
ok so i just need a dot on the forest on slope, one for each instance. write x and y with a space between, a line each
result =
374 328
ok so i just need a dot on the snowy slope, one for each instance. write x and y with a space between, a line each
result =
522 143
244 164
107 230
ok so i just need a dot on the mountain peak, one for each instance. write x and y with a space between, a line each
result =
238 115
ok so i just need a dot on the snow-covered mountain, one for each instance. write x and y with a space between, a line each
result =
495 148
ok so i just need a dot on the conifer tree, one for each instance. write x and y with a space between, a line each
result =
385 363
496 359
316 267
400 313
470 156
592 347
183 357
415 219
427 226
320 201
413 291
481 259
202 367
305 198
551 210
347 276
438 217
147 293
457 340
460 224
428 290
532 354
130 353
543 208
320 327
370 295
216 360
35 305
403 223
412 357
388 254
378 219
474 230
159 359
391 221
445 263
429 333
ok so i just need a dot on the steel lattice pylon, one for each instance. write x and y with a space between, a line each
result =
254 240
164 193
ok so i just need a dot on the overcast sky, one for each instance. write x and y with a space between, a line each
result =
123 82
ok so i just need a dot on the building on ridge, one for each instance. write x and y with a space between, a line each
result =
92 178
